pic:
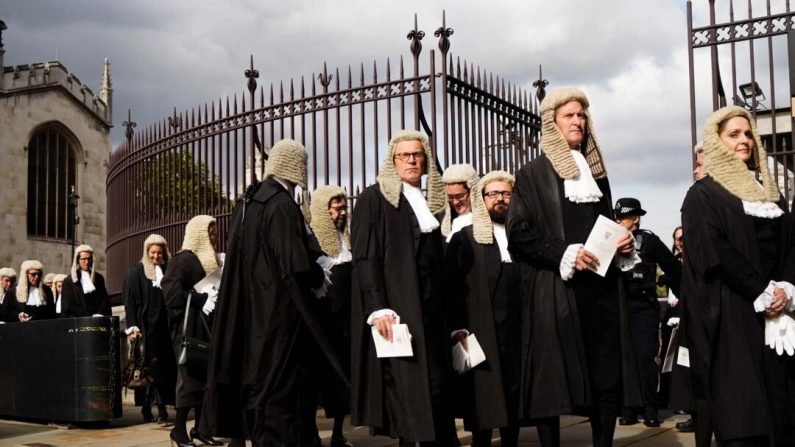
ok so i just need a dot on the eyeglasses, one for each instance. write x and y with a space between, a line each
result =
83 259
495 194
339 208
34 273
458 197
405 156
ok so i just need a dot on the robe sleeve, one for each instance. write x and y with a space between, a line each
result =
283 232
69 305
458 261
709 250
788 269
103 304
131 296
667 262
7 311
367 251
176 284
526 241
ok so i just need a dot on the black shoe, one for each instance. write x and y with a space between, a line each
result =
651 422
686 426
204 439
162 415
146 412
624 421
340 441
176 441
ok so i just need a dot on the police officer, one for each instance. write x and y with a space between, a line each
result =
643 305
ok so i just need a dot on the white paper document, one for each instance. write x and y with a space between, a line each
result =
466 359
400 346
683 359
602 242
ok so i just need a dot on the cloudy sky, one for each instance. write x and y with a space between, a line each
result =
630 58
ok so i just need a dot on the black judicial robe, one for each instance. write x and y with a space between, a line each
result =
556 378
476 284
385 242
264 324
333 312
75 303
727 265
10 309
144 307
184 271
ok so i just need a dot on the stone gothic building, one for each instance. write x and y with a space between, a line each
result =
54 145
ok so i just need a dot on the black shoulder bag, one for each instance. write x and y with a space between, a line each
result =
194 352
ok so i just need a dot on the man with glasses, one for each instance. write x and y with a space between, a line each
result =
483 298
329 224
397 278
458 180
30 300
83 292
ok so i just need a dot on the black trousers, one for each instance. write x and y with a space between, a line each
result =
645 323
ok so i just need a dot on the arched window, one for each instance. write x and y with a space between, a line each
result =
51 175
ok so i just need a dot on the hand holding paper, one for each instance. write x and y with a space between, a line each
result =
467 356
603 242
398 346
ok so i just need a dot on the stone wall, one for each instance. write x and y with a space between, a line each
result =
22 112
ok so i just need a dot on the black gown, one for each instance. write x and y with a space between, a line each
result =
576 347
729 259
75 303
483 297
10 309
144 307
397 267
264 324
184 271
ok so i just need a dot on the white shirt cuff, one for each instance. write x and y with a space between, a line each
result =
765 299
131 329
789 289
381 313
458 331
568 261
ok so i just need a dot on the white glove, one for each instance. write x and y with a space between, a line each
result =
673 322
780 334
673 301
212 297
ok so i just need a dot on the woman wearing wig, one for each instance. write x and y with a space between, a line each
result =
738 275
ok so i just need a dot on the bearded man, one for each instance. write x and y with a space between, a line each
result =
484 299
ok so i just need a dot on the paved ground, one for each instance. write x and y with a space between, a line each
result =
129 431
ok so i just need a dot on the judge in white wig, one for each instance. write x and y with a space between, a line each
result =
29 300
147 319
83 291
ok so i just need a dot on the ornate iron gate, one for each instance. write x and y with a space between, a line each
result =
198 161
753 74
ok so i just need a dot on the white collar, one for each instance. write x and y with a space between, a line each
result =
418 203
290 188
34 297
345 253
158 276
583 188
766 210
502 241
459 223
85 282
